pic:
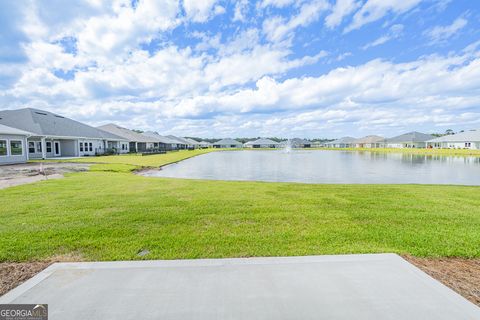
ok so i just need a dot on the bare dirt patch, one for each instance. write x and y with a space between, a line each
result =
461 275
18 174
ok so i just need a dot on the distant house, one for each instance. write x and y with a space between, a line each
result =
204 144
164 142
345 142
192 143
52 135
262 143
137 142
409 140
13 145
227 143
369 142
181 142
463 140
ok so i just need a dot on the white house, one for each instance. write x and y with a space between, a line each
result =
227 143
262 143
13 144
463 140
369 142
52 135
345 142
409 140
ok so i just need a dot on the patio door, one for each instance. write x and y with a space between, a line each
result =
56 148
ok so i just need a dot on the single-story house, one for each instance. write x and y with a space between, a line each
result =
369 142
53 135
462 140
181 143
227 143
192 143
262 143
344 142
137 142
409 140
13 145
205 144
166 143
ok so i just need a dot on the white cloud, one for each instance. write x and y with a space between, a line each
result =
240 10
276 3
442 33
394 33
200 11
340 10
374 10
278 28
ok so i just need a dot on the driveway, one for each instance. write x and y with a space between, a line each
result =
374 286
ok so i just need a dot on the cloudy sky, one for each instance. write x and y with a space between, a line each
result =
235 68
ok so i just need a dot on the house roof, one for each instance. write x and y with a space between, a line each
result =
13 131
298 141
191 141
178 139
261 141
227 141
159 138
44 123
411 137
370 139
126 134
343 140
466 136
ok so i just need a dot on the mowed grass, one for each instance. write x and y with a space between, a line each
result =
154 160
109 213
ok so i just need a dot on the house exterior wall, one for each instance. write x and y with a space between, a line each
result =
401 145
9 157
474 145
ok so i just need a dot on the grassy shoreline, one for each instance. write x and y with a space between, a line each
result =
109 213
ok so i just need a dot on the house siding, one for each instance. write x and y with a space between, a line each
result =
12 159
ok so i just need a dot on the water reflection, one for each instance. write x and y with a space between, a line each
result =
327 167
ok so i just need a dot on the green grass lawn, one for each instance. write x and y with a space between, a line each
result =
109 213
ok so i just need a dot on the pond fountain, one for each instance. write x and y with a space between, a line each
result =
288 146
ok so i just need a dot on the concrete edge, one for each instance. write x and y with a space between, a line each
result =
28 284
438 286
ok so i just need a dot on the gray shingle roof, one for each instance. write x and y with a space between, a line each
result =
226 142
159 138
261 141
343 140
44 123
467 136
9 130
178 139
411 137
126 134
370 139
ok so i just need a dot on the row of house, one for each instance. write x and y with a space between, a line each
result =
463 140
37 134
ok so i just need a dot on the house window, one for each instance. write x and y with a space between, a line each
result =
16 148
81 146
49 146
468 144
3 147
91 146
31 147
39 146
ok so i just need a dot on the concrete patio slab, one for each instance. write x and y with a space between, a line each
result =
375 286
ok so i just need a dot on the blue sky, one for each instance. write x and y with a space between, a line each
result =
243 68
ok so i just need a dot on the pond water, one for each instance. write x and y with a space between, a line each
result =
322 166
